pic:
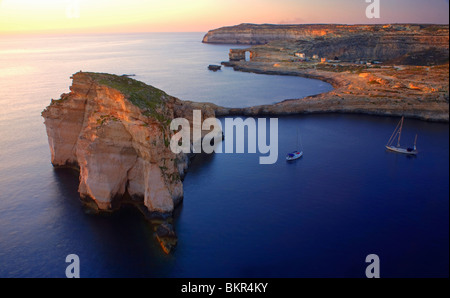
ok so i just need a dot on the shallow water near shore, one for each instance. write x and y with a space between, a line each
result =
317 217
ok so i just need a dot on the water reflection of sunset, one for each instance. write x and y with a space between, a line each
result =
15 71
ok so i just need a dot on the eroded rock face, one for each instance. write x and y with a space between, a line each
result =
115 130
253 34
166 237
397 42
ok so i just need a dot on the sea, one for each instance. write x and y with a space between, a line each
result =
320 216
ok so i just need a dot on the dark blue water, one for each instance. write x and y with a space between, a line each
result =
321 216
317 217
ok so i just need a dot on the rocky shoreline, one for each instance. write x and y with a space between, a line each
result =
364 93
387 88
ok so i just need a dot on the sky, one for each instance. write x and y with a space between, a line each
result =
119 16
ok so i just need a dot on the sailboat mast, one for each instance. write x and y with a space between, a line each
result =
394 134
400 132
415 143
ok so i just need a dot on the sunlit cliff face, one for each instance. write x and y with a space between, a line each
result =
118 147
319 32
116 132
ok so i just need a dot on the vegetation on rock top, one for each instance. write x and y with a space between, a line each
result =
148 98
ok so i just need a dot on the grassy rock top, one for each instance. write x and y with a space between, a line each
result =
148 98
138 93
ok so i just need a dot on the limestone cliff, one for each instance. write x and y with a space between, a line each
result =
412 91
348 42
253 34
418 88
115 130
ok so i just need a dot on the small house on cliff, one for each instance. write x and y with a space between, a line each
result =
301 55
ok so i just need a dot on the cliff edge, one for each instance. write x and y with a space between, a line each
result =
394 43
116 132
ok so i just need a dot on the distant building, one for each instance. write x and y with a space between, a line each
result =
315 57
323 60
301 55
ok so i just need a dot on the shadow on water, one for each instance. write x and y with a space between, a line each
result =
118 244
201 160
67 182
198 163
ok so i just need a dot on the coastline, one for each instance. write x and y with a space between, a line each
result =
341 100
413 84
353 93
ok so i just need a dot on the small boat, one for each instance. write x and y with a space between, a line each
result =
398 149
294 155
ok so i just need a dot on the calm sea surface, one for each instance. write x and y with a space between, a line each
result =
317 217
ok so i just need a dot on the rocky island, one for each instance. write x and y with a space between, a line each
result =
398 69
116 132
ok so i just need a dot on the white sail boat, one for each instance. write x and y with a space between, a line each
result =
296 154
398 133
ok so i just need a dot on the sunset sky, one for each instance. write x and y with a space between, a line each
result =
35 16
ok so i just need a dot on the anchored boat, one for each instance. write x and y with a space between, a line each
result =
296 154
398 134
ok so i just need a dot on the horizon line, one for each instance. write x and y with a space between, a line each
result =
75 31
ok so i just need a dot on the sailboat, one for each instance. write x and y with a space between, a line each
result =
398 133
296 154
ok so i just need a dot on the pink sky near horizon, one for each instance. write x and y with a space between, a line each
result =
92 16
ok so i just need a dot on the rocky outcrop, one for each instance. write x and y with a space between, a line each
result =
213 67
348 42
411 91
116 131
237 54
166 237
259 34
